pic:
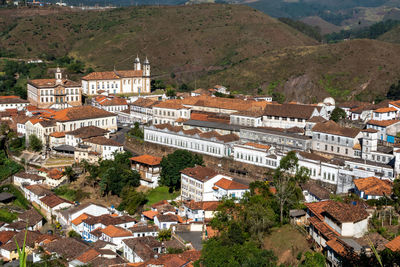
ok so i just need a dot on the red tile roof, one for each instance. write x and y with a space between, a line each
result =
88 255
114 231
374 186
323 228
266 147
78 220
200 173
101 140
150 214
344 212
147 159
383 123
80 113
394 245
53 201
50 83
111 75
317 208
332 127
230 185
385 110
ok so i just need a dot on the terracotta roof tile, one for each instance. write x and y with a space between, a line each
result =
332 127
337 246
111 101
39 189
53 200
115 231
203 205
230 185
150 214
87 132
80 113
255 145
78 220
88 255
394 245
344 212
145 102
373 186
58 134
167 218
323 228
32 217
69 248
12 99
111 75
200 173
55 174
291 110
5 236
383 123
171 104
385 110
30 176
317 208
147 159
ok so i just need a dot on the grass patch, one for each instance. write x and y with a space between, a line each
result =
8 167
71 194
160 193
6 216
286 242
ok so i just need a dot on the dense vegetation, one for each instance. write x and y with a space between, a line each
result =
173 163
372 32
7 166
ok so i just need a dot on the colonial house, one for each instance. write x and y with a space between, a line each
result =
140 230
256 154
170 111
12 102
387 129
372 188
56 139
229 188
110 103
35 192
250 118
149 168
75 137
209 143
165 221
200 211
291 115
142 110
105 147
329 137
331 219
77 224
51 204
55 93
314 193
141 249
41 128
115 235
201 184
381 114
32 219
68 215
54 177
24 179
119 82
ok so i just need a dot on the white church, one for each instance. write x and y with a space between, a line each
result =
119 81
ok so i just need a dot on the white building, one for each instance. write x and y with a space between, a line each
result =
76 137
115 235
256 154
105 147
110 103
141 249
209 143
170 111
382 114
142 110
25 178
372 188
55 93
200 211
68 215
119 82
165 221
149 169
199 184
12 102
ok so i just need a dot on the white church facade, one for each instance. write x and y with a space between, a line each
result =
119 81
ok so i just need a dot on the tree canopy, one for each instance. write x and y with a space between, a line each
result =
132 200
35 143
175 162
338 114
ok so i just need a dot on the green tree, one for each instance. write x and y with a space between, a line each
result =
164 235
171 93
35 143
136 131
278 97
286 179
313 259
131 200
74 234
69 172
338 114
172 165
394 91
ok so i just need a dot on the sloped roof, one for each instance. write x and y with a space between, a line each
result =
80 113
394 245
150 214
53 200
32 217
344 212
39 190
115 231
12 99
256 145
200 173
291 110
111 75
385 110
88 255
78 220
69 248
31 176
332 127
50 83
87 132
383 123
373 186
147 159
317 208
203 205
230 185
145 102
101 140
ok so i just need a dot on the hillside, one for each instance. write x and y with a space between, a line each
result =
392 36
357 69
179 39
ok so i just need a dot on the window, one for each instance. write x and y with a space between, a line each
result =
332 148
347 151
338 149
326 147
319 136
